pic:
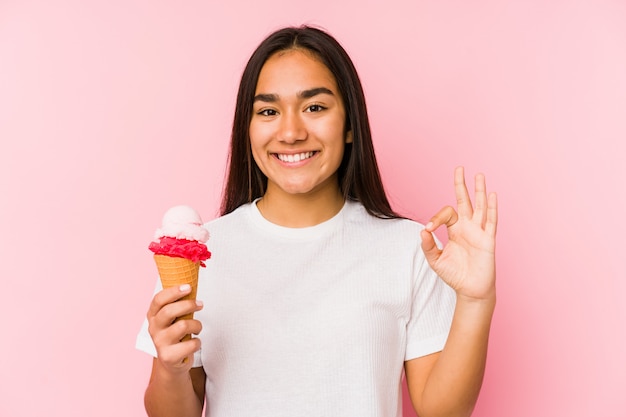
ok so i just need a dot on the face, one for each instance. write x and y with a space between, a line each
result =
297 127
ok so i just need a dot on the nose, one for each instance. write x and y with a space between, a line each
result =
292 128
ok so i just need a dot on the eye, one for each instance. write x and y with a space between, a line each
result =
267 112
313 108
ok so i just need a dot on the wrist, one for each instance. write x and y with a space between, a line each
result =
487 302
170 376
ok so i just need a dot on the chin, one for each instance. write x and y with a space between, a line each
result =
297 189
301 188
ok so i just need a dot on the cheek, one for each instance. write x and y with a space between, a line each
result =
257 156
334 133
260 134
256 142
255 147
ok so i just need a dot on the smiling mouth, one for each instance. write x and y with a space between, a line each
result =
297 157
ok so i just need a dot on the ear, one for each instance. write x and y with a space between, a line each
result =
348 136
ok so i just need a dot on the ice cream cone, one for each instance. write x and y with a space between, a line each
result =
177 271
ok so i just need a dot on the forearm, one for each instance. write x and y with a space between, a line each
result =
453 386
171 395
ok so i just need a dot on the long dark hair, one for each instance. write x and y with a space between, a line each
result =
359 178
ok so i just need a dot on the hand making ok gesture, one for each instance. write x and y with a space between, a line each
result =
467 262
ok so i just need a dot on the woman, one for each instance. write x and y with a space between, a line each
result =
318 296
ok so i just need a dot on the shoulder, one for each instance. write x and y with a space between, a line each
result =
397 234
227 222
358 215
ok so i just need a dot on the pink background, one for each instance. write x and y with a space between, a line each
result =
112 111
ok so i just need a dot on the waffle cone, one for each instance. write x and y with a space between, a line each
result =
175 272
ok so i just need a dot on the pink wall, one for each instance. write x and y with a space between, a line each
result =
112 111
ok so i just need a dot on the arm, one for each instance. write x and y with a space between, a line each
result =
175 395
175 388
448 383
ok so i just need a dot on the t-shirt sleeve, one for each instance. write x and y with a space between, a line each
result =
144 342
432 308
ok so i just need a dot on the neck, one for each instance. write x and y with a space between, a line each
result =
303 210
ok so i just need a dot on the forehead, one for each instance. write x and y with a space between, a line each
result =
294 68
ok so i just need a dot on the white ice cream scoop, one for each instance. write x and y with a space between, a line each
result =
182 222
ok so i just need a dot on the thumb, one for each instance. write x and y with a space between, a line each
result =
429 246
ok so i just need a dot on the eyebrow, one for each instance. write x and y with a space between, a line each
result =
272 98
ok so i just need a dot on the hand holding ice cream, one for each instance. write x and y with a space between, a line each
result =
179 250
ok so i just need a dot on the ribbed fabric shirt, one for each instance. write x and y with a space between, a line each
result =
314 321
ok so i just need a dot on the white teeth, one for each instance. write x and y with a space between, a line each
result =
294 157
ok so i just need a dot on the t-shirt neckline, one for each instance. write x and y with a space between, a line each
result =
308 232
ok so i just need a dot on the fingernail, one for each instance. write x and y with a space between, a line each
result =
184 288
429 225
199 303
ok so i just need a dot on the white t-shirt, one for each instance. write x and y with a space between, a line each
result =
314 321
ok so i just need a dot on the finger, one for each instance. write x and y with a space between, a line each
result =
446 216
170 312
429 246
463 202
480 200
174 333
166 296
185 327
179 333
491 224
173 356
